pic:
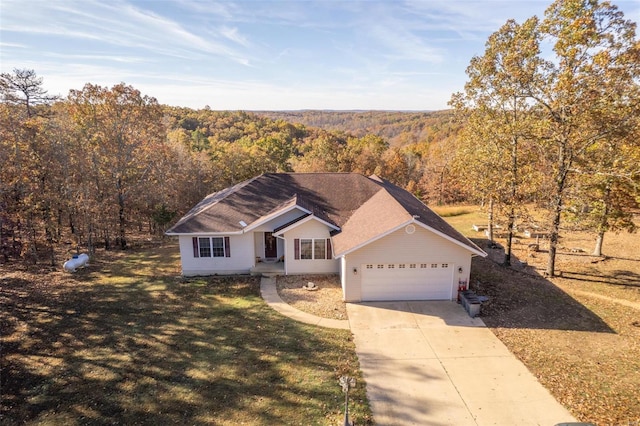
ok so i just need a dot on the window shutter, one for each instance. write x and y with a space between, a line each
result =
329 251
227 247
296 248
196 250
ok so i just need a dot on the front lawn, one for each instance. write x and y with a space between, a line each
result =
127 341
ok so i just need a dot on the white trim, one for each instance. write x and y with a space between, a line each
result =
273 215
305 220
370 240
261 220
412 221
453 240
204 234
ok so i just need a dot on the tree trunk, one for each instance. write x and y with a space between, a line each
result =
553 237
604 223
510 225
564 165
490 222
441 188
598 250
514 193
90 246
121 218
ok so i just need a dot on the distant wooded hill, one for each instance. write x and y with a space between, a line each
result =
399 128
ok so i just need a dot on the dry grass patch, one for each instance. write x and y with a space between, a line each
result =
326 302
579 334
127 341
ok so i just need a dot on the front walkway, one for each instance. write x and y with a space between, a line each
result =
270 295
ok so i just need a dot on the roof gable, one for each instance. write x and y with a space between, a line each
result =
378 215
280 230
423 214
358 208
333 197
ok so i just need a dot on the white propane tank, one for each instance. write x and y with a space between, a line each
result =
78 261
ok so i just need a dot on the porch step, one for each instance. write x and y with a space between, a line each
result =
268 269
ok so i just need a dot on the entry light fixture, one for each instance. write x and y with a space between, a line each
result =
460 270
355 271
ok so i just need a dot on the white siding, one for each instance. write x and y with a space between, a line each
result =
241 260
400 247
278 221
309 229
244 249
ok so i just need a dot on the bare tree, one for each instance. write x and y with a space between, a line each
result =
24 88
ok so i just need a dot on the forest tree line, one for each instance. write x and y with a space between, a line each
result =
396 127
103 165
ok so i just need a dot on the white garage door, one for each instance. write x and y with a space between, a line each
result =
407 281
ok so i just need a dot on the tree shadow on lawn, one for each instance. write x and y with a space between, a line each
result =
621 278
519 299
202 352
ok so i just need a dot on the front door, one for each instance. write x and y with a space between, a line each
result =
270 246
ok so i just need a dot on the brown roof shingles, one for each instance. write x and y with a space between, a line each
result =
330 196
363 207
425 215
378 215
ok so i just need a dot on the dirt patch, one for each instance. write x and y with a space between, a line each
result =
325 302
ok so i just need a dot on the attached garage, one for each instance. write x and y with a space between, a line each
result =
406 281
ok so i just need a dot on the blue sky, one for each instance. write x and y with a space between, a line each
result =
260 55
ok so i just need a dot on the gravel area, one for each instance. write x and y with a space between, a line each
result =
325 302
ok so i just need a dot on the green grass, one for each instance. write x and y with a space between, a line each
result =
462 218
449 211
129 342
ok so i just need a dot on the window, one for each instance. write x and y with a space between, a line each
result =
312 248
369 266
401 266
445 265
412 265
306 249
211 247
423 265
218 247
380 266
320 249
392 266
205 247
434 265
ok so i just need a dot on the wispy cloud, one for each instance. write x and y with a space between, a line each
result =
97 57
116 23
226 10
261 54
234 35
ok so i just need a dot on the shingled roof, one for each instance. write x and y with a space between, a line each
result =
361 207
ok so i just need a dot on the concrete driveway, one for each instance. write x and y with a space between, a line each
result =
429 363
